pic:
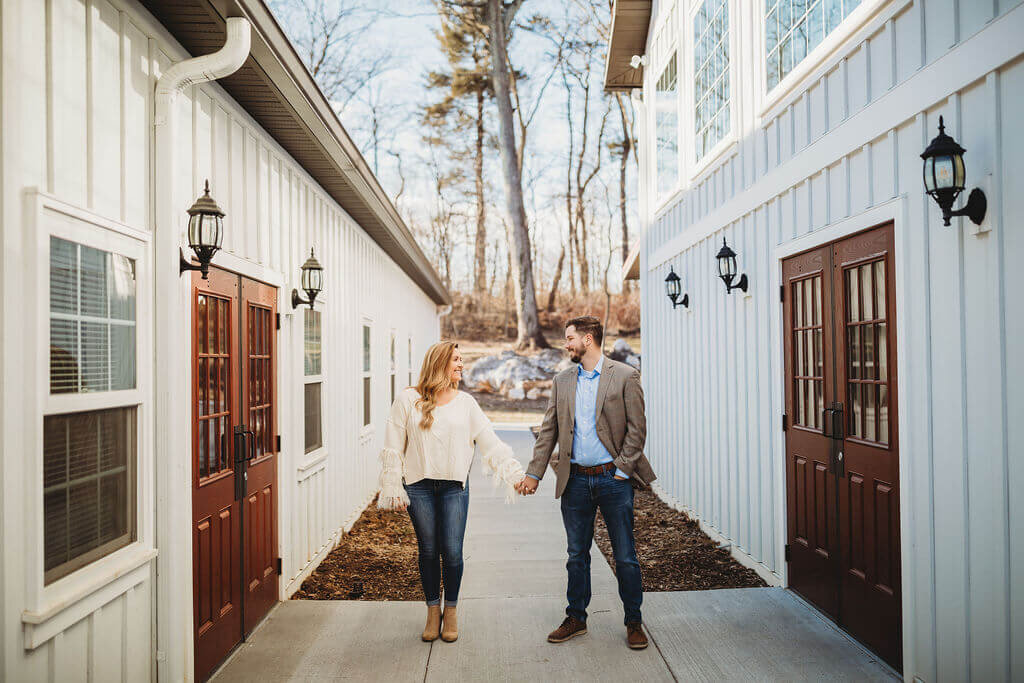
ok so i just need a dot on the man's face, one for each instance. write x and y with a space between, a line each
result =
575 344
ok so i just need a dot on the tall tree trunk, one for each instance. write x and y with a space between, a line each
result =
556 280
528 323
481 226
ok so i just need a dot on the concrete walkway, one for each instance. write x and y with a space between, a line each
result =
513 594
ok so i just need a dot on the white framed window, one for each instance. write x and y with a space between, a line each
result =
313 379
666 126
367 374
793 28
711 77
393 367
90 380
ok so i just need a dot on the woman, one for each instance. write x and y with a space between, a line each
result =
431 431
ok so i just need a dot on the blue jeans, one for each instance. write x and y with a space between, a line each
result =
438 510
582 498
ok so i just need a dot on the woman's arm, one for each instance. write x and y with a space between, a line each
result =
496 454
392 459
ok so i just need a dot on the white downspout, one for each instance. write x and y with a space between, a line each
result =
172 412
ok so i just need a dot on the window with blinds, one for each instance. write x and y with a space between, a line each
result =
92 319
88 487
366 375
313 380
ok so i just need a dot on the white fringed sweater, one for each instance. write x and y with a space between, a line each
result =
445 451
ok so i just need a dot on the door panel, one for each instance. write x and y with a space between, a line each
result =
812 488
869 480
216 533
259 352
842 455
234 475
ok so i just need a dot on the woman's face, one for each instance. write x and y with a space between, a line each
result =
455 367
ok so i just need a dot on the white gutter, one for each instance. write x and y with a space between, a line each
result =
172 411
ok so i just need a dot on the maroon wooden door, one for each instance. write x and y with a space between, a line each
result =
260 513
234 468
842 456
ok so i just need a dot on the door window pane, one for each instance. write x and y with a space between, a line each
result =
92 319
313 430
88 487
867 348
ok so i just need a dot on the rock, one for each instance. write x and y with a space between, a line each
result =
633 360
548 360
516 392
621 350
533 394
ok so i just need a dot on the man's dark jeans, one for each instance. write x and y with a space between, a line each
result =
583 496
438 510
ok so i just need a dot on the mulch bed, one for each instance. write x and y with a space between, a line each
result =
376 560
674 554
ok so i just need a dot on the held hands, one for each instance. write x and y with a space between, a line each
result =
526 487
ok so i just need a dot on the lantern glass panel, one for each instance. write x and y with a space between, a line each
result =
317 279
194 225
210 233
960 174
944 170
727 266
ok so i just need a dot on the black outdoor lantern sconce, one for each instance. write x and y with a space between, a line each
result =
205 233
673 289
727 269
312 282
944 177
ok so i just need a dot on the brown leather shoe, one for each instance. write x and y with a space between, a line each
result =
433 628
450 627
570 628
635 636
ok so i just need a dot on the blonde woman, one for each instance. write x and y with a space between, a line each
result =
431 432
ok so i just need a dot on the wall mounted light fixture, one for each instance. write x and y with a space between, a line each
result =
945 175
312 282
205 233
637 61
673 289
727 269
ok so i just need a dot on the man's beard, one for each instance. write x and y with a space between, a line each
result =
575 356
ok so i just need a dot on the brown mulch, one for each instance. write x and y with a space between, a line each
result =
376 560
674 554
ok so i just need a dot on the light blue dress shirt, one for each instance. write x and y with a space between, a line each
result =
587 449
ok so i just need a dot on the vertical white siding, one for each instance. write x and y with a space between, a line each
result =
78 78
711 372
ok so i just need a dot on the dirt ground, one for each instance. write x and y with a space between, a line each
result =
377 559
674 554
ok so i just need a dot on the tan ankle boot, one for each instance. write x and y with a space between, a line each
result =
450 630
433 627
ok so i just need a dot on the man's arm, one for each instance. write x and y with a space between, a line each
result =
547 438
636 424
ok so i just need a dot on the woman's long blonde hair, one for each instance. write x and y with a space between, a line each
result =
434 379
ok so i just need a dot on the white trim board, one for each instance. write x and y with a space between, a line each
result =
989 49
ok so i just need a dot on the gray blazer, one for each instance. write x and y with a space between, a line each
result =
621 425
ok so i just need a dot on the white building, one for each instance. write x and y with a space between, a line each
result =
793 131
125 518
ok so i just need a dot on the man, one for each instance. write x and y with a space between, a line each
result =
596 418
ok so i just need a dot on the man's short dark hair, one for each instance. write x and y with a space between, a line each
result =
587 324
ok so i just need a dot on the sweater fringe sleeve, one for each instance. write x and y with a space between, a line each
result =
500 461
392 493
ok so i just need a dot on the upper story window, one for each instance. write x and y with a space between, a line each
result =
394 366
666 126
366 374
711 75
795 27
409 361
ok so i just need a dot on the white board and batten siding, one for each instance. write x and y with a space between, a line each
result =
837 152
78 79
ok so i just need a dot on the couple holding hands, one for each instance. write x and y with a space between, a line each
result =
596 418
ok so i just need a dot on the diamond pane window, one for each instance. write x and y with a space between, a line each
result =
793 28
711 75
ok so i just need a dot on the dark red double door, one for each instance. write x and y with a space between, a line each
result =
234 461
842 455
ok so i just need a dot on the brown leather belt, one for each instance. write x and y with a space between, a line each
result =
591 471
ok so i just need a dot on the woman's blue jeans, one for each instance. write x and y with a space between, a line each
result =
438 510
